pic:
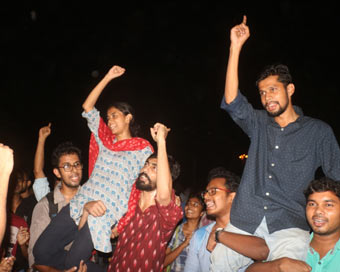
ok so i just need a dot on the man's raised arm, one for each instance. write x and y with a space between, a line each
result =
238 35
164 180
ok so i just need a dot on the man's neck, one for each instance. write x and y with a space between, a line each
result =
222 221
324 243
147 199
16 200
68 192
289 116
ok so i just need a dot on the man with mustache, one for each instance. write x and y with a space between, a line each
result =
323 216
68 168
142 244
285 151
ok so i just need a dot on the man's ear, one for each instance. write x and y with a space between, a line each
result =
29 182
56 172
231 196
290 89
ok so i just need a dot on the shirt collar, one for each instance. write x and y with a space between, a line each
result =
298 122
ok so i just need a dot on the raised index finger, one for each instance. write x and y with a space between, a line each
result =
244 20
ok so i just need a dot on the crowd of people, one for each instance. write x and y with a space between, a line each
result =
128 217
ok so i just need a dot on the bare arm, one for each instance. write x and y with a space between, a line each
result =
164 180
280 265
39 158
115 71
6 167
238 35
247 245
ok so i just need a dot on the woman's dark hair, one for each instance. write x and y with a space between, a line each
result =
126 109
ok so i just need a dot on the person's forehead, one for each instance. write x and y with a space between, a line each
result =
269 81
152 161
216 182
69 158
323 196
113 110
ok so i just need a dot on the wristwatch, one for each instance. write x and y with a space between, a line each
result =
217 233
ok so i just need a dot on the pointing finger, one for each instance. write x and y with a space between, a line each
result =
244 20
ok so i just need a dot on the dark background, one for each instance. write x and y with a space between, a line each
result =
175 53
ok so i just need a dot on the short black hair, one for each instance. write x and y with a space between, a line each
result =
175 167
232 179
323 184
65 148
279 70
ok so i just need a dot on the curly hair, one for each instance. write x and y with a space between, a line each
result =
65 148
279 70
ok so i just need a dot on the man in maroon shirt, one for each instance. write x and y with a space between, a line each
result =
141 245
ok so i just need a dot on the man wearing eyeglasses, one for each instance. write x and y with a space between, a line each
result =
67 167
218 197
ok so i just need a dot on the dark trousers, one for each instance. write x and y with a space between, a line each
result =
49 248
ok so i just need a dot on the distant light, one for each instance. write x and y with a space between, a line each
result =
243 157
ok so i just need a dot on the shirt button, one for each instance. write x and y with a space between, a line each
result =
269 176
273 164
265 207
267 194
282 129
276 147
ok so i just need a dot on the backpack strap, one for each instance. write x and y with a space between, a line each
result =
53 208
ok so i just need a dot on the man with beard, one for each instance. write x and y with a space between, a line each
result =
23 201
219 195
67 167
285 151
142 244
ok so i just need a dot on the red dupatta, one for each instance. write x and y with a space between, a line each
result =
133 144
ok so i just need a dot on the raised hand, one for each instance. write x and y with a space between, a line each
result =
44 132
6 160
159 132
240 33
115 71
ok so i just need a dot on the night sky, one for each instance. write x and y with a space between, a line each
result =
175 55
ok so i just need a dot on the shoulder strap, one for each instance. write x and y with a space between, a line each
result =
53 208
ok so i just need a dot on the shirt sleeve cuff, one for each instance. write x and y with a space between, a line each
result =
233 104
41 188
